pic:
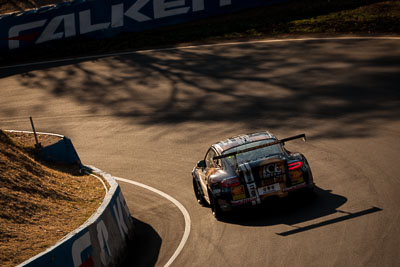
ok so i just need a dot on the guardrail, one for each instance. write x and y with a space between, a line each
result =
107 18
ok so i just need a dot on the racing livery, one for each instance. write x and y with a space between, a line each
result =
247 169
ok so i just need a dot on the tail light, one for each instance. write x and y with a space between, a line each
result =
230 182
294 165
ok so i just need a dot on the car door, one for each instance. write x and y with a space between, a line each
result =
210 168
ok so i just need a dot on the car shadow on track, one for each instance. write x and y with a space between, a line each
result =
144 248
295 209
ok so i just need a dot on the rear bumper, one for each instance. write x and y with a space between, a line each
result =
228 205
295 187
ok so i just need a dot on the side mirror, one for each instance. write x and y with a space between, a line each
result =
201 164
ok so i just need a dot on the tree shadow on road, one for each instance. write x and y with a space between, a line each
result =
343 87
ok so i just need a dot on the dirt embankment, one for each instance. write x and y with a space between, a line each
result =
39 205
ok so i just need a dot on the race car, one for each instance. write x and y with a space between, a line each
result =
246 170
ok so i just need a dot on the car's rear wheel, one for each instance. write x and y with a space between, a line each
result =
198 194
215 209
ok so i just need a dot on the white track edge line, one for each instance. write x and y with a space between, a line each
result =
180 207
30 132
202 45
101 180
173 200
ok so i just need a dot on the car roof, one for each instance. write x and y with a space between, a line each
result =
239 140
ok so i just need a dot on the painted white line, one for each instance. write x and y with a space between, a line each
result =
199 46
101 180
180 207
30 132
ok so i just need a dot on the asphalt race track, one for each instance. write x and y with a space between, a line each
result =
150 116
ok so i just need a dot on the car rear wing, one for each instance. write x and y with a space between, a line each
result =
282 141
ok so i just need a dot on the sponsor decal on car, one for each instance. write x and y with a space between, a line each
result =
242 201
269 189
296 177
238 192
273 170
272 173
251 185
292 188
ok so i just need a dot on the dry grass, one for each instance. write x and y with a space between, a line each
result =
39 205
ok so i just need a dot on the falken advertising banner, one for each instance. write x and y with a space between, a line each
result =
107 18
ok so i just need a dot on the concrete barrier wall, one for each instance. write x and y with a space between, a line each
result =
101 241
107 18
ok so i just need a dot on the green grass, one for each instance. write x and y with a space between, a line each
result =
301 17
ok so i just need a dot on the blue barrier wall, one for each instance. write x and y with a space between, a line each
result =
107 18
101 241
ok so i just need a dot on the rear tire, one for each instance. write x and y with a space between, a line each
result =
215 209
198 194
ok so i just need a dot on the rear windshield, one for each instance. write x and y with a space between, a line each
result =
254 154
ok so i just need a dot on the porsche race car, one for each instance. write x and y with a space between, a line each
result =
248 169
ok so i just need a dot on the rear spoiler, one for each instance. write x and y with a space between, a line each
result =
282 141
